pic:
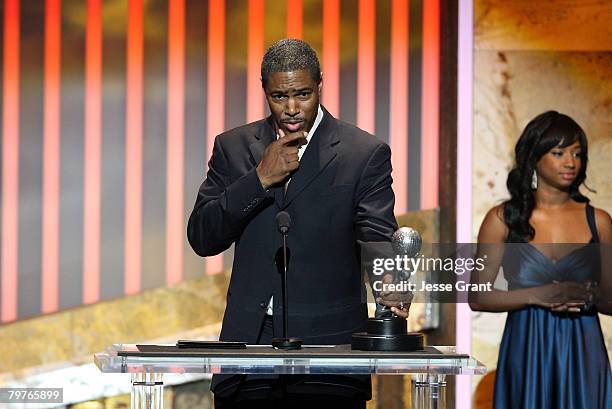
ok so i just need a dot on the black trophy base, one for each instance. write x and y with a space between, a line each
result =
287 343
387 334
401 342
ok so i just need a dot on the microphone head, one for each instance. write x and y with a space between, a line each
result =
406 240
283 221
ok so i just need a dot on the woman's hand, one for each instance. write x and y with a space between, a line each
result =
567 307
566 296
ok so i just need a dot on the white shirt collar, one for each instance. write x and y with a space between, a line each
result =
317 121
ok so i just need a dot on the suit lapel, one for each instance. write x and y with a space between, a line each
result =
261 139
320 151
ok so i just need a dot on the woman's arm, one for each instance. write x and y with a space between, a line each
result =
604 229
491 239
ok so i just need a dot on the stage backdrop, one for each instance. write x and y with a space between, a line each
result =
531 57
110 109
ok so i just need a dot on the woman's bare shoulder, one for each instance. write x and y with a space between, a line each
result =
493 228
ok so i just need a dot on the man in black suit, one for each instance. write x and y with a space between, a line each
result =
335 181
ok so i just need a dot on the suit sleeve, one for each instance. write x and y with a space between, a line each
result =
375 220
224 207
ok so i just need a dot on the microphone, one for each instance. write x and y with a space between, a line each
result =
283 221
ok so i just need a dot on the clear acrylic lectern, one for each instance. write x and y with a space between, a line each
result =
147 363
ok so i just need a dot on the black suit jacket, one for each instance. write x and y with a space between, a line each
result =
340 194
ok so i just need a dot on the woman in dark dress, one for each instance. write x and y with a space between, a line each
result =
552 354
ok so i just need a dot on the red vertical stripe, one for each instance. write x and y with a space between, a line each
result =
216 92
10 160
51 158
175 135
133 148
399 102
294 18
92 155
255 51
366 65
331 56
431 90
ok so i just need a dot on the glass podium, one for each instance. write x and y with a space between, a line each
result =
148 363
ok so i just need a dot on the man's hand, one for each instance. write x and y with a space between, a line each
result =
399 301
280 158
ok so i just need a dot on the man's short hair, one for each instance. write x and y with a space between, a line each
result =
290 55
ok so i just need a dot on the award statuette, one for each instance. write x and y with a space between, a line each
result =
386 331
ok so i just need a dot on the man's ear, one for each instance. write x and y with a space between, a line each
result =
321 82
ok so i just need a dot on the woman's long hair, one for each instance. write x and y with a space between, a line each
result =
542 134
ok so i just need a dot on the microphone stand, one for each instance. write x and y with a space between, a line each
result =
285 297
284 220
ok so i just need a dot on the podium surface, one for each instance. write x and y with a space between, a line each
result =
147 363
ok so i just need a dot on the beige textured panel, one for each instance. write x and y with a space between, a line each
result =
510 88
606 324
36 341
425 222
122 401
94 404
74 335
372 403
543 25
407 390
488 329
